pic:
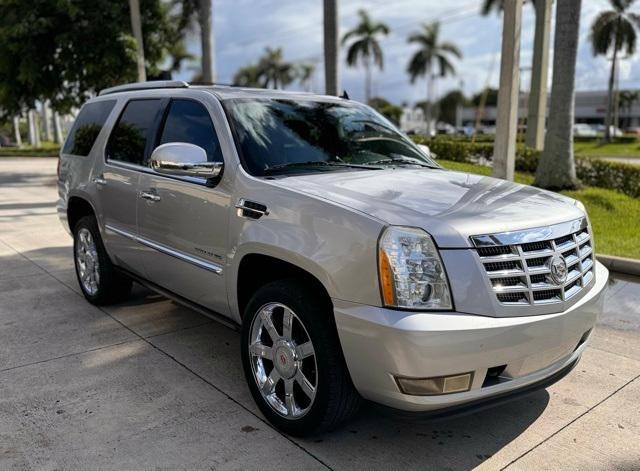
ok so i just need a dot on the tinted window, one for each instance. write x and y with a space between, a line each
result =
87 126
129 138
276 135
188 121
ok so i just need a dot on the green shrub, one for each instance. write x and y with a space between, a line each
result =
624 178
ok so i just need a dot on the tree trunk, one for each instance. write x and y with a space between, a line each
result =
57 129
367 79
46 121
136 27
612 78
16 131
31 128
206 41
504 147
556 169
539 70
331 69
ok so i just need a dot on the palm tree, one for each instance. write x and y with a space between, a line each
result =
136 27
626 100
365 47
433 59
305 74
331 69
614 29
200 12
556 169
273 70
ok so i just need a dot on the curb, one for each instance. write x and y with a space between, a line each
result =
627 266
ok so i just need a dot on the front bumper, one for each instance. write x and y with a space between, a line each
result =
381 344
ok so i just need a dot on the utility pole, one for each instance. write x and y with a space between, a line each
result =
331 68
136 27
538 94
504 147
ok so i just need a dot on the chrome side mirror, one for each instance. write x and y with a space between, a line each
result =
181 158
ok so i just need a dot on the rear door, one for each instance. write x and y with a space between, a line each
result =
185 224
126 152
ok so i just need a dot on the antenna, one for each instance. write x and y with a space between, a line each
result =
345 95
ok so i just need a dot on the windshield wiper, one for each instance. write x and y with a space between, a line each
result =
315 163
400 160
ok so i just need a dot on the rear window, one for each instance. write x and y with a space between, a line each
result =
87 126
129 138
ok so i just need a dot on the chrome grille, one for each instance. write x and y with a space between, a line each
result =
519 268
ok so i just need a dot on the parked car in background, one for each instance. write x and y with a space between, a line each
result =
584 130
600 128
352 264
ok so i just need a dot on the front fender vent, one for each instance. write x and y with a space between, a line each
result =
251 209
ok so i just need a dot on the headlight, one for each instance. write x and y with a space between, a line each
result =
410 270
581 206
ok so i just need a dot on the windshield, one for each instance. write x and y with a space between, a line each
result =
285 136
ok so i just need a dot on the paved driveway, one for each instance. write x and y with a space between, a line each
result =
150 384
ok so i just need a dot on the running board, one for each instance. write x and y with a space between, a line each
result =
183 301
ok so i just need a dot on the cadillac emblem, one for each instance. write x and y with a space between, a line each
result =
558 269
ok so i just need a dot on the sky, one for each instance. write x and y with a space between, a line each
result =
243 28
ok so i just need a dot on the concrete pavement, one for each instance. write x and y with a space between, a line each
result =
150 384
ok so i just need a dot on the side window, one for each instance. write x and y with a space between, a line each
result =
189 121
129 138
87 126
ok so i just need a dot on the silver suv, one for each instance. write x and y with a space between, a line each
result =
352 263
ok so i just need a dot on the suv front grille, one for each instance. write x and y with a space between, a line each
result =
521 274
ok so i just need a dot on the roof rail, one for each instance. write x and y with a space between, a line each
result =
152 85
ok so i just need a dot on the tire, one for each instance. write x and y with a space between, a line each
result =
104 285
333 398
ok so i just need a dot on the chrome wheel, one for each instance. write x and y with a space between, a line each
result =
87 261
283 360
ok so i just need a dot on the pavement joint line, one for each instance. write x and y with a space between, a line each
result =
571 422
187 368
67 355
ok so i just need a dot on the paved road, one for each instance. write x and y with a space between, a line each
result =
149 384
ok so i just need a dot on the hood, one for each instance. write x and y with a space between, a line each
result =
451 206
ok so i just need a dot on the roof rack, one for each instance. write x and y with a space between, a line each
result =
152 85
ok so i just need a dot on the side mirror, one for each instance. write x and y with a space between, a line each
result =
180 158
425 149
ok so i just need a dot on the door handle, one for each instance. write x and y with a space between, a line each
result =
149 195
99 180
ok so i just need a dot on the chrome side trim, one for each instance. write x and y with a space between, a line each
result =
217 269
529 235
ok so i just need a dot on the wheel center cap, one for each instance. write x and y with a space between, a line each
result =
284 360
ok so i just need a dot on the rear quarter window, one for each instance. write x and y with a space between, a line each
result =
87 126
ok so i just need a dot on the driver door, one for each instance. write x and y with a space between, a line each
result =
182 221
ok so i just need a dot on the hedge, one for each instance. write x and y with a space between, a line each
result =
601 173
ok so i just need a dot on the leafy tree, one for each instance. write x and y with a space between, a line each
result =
384 107
247 76
614 30
365 47
433 59
66 50
448 106
305 72
491 99
557 168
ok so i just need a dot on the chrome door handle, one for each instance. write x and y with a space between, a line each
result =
148 195
99 181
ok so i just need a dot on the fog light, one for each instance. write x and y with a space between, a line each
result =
437 385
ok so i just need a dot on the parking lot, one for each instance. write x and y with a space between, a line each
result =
152 385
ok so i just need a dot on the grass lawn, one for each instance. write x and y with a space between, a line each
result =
47 149
615 217
614 149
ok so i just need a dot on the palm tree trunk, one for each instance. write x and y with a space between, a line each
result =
331 71
16 131
206 41
57 128
556 169
367 78
427 106
612 77
136 27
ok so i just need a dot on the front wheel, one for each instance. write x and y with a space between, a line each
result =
293 362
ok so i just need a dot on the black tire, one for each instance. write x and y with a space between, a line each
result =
112 286
336 399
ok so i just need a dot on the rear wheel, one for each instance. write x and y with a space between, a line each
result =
99 281
293 362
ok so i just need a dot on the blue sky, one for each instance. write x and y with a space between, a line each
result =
243 28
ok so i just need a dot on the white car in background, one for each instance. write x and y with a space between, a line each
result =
584 130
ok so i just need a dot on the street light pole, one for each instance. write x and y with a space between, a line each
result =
504 148
331 69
